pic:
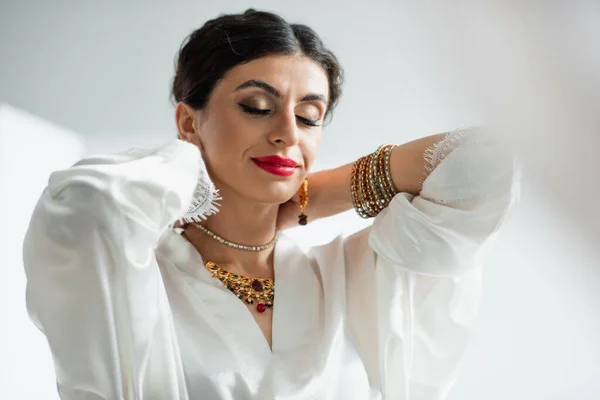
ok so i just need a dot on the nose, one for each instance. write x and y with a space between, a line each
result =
285 133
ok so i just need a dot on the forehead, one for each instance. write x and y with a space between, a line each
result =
291 74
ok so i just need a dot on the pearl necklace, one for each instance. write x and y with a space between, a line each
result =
236 245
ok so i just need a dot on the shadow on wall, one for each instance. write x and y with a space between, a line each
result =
30 149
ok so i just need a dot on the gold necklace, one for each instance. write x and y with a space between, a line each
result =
250 290
237 245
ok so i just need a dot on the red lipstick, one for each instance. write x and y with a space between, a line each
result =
276 165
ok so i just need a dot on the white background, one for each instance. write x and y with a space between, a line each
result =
103 71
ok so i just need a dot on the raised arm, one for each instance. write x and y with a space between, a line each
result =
410 165
93 284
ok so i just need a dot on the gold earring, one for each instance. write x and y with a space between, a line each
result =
303 218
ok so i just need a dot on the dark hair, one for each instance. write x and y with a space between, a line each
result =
229 40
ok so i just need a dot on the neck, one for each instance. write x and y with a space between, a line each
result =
242 222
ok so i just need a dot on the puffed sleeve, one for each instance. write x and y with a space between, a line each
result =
93 284
429 251
473 180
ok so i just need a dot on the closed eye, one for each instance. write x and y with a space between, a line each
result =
259 111
308 122
254 111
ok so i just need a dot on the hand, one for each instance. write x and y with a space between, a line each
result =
289 212
287 216
328 194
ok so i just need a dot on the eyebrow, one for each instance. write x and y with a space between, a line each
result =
273 91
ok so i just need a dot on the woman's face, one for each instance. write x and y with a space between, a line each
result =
272 106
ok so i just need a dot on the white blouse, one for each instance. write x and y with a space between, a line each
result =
130 312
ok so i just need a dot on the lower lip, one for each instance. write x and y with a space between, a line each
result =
276 169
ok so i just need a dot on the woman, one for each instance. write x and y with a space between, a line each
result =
153 272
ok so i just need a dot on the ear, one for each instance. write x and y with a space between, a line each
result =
185 117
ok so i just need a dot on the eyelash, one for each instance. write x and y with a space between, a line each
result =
257 111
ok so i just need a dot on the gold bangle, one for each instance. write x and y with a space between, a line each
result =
388 171
386 180
371 184
380 176
363 188
354 189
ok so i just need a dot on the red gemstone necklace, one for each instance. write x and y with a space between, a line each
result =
259 291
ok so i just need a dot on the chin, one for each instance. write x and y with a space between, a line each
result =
275 192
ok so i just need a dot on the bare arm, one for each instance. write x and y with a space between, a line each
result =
329 190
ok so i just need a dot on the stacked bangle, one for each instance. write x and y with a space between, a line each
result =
371 184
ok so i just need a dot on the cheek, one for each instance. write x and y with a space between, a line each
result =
310 147
229 139
228 132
